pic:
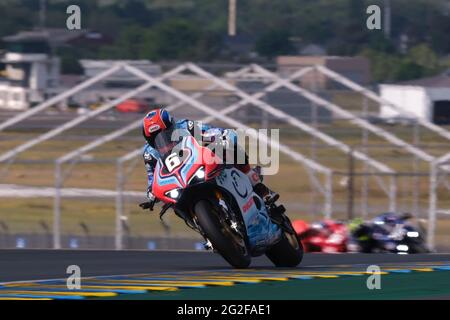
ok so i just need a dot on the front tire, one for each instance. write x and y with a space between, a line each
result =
418 247
288 252
222 238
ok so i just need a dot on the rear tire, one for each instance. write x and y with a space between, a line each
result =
223 241
288 252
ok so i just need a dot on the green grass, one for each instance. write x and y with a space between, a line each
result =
30 215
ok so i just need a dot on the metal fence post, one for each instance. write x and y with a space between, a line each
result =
393 194
119 206
416 179
433 204
328 207
365 149
57 207
351 185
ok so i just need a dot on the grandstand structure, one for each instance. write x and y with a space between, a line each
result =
385 176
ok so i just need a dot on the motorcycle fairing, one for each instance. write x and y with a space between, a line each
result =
260 229
178 178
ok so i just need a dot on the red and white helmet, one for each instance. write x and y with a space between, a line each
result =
154 122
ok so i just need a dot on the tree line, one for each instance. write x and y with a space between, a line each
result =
169 30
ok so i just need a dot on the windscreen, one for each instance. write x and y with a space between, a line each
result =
167 139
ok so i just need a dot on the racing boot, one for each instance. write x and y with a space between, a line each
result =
260 188
269 196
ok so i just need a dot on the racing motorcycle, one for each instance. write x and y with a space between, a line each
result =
218 201
328 236
388 233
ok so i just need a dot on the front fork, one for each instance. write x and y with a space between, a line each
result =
228 216
278 216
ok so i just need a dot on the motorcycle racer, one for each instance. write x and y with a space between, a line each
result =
385 232
160 119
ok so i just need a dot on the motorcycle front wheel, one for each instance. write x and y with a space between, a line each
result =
223 239
288 252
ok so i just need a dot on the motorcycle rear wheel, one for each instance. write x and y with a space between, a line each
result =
222 238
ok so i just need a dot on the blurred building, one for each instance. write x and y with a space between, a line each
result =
119 82
427 98
30 70
121 78
356 69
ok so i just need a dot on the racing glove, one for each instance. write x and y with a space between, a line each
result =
218 139
211 136
150 203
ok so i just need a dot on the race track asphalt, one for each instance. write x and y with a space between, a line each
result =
23 265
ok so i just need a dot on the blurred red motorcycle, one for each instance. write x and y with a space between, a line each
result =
328 236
